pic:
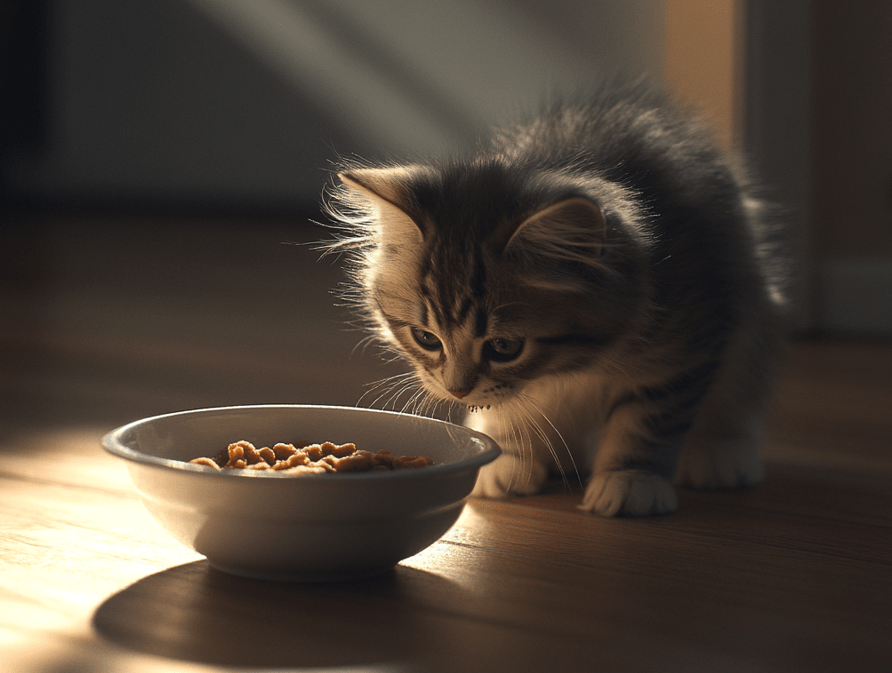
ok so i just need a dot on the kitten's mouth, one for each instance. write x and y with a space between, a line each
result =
473 408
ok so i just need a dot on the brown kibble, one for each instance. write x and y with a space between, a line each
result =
384 458
283 451
207 462
236 451
313 452
293 460
306 469
411 462
322 465
267 455
341 451
252 456
309 459
358 461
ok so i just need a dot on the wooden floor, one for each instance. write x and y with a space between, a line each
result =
108 319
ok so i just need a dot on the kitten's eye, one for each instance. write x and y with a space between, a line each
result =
502 350
426 339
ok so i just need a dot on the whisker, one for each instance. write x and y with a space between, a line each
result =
393 392
362 345
414 400
517 436
388 383
538 407
553 451
434 403
410 385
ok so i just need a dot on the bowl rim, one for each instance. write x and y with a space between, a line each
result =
111 442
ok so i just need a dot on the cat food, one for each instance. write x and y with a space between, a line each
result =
309 459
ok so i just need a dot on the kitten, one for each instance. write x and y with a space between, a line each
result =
597 278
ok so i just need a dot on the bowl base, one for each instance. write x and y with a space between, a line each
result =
300 576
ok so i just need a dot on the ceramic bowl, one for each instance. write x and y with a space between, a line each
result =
301 527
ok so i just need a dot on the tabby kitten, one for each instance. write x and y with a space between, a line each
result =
596 278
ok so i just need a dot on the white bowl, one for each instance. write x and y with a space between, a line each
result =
301 527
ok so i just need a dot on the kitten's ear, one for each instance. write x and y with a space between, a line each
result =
569 230
385 191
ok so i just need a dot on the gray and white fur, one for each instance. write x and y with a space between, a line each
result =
597 287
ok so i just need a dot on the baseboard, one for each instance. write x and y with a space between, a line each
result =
854 296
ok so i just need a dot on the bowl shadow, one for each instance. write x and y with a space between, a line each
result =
197 613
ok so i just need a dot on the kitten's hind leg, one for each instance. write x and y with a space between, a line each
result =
722 453
722 450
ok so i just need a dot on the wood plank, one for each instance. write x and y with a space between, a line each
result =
795 575
512 580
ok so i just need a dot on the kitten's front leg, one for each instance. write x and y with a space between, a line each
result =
636 462
509 474
521 469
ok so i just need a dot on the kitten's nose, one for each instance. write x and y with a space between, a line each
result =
459 393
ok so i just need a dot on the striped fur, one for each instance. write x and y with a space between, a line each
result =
600 277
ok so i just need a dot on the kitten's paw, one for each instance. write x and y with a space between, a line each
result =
508 475
723 466
629 493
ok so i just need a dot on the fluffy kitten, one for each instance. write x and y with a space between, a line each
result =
596 278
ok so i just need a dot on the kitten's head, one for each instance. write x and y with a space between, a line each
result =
486 278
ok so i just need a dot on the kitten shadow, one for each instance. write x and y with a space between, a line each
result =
196 613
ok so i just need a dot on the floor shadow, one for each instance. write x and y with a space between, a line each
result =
196 613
